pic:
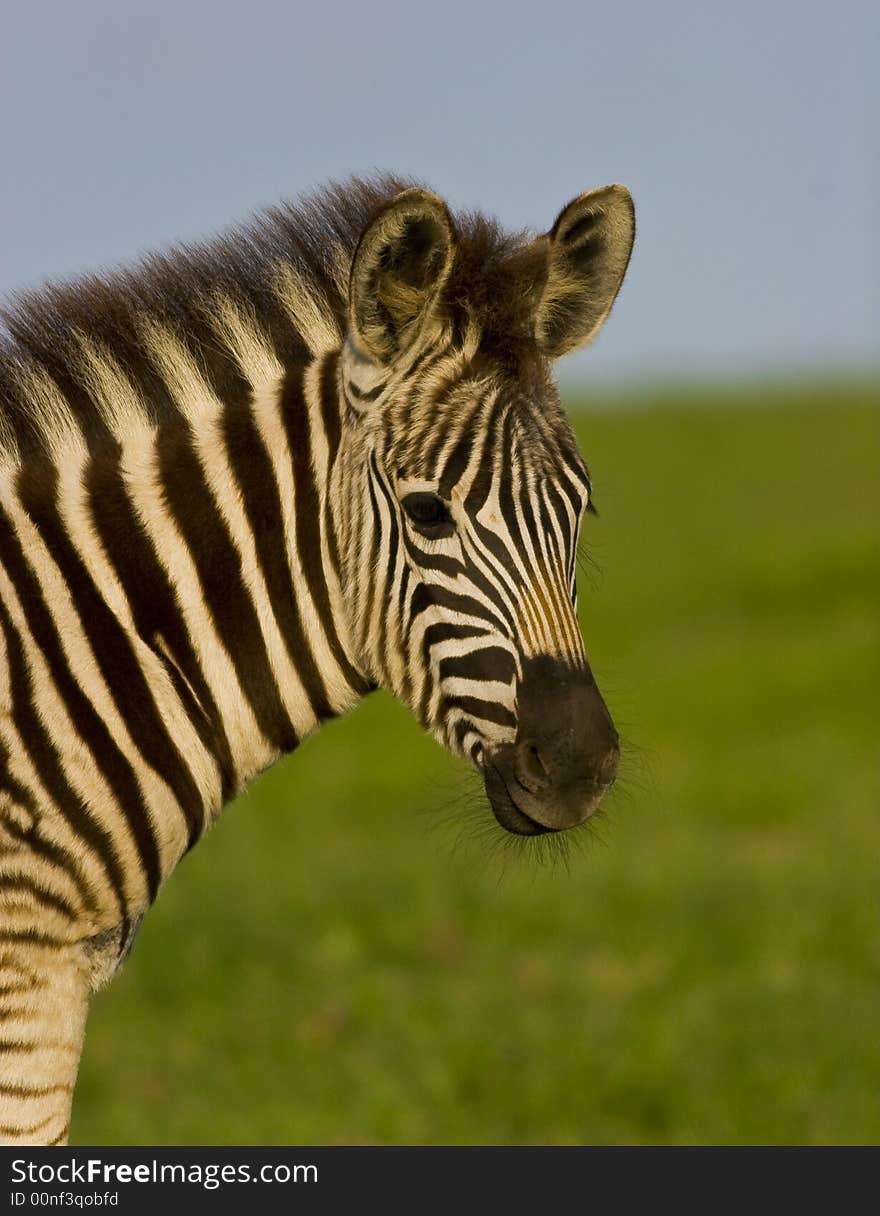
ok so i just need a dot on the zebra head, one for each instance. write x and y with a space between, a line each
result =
461 489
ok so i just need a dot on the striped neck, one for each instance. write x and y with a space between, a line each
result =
258 568
182 585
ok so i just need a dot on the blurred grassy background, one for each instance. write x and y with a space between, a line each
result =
329 968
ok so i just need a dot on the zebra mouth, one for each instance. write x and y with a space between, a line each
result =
505 809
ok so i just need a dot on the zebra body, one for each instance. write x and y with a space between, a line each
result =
240 487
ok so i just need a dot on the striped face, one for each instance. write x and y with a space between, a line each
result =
465 493
467 555
464 568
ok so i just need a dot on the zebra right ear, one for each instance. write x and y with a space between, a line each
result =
400 266
588 251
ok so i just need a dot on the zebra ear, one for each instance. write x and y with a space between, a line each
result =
401 263
588 250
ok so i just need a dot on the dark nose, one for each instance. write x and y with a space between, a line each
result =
565 755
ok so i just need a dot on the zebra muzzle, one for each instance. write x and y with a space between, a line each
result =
565 755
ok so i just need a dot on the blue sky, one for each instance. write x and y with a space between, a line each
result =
747 133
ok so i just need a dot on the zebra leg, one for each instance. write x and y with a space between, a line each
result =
44 992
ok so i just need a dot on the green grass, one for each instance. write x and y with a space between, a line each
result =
330 967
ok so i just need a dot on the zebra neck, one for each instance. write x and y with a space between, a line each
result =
173 603
247 491
171 621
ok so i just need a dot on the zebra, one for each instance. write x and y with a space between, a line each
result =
244 483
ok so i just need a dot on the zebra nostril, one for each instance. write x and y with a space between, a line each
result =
530 770
606 770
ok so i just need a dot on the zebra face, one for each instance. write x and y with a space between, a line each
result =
464 493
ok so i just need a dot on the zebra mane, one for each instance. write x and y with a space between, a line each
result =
286 271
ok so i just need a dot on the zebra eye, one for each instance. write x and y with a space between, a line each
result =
429 514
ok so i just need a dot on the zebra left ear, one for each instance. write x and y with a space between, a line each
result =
588 251
401 263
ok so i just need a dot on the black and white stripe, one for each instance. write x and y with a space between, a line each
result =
204 552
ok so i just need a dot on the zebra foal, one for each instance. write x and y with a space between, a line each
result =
242 485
